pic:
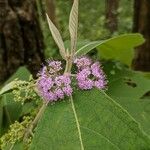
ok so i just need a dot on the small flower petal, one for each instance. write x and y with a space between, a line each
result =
82 62
68 90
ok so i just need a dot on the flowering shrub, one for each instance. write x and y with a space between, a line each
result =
52 86
90 74
84 117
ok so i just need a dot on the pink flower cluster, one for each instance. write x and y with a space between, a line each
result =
50 85
89 74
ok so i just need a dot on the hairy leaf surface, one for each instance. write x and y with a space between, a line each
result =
73 25
129 89
91 120
57 37
120 47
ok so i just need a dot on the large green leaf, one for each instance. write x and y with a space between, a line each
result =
90 120
128 89
12 109
120 47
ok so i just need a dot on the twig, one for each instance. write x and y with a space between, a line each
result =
35 122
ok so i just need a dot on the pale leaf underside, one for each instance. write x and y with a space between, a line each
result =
57 37
73 25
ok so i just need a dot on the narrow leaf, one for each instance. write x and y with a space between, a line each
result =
73 25
57 37
90 120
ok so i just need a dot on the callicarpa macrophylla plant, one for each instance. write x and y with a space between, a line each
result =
52 84
55 82
72 111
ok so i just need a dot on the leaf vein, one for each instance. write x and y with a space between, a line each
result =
77 123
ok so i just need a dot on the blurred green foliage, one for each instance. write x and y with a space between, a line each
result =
92 18
91 22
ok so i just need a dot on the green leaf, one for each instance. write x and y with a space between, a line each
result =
87 48
27 108
120 48
18 146
91 120
22 73
1 115
12 109
8 87
57 37
80 43
128 89
73 25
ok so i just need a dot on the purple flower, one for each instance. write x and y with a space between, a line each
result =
82 62
85 84
59 93
42 72
96 70
100 84
49 96
83 74
52 88
63 80
90 75
54 66
68 90
44 84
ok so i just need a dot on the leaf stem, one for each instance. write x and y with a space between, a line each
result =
68 64
35 121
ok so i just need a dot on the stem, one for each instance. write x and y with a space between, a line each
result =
38 116
35 121
11 147
68 65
